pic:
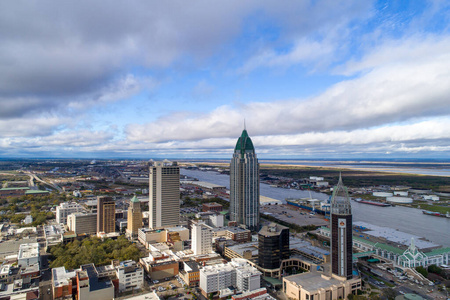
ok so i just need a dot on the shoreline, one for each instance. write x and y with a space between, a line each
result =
373 170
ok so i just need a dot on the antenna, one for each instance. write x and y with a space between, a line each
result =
245 127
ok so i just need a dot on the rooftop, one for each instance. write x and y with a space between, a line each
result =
60 276
313 281
28 250
272 229
241 248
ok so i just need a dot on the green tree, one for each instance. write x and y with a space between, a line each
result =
422 271
389 293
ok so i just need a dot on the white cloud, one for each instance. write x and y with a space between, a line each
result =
395 91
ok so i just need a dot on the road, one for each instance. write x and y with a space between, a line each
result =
52 184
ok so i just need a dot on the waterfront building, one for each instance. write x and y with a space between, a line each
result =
244 184
341 232
273 246
134 217
164 194
82 223
65 209
410 257
106 214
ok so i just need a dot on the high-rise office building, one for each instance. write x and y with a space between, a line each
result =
201 239
82 223
134 217
106 214
164 194
273 245
244 184
341 232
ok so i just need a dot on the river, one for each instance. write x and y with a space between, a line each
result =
409 220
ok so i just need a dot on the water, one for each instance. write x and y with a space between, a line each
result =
430 168
409 220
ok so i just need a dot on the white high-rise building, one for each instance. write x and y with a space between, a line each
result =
65 209
238 274
201 239
217 277
244 184
164 194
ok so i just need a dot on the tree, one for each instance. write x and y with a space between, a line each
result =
422 271
435 269
389 293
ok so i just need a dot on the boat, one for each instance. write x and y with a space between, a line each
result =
372 203
436 214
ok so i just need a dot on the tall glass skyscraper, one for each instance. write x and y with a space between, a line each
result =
244 184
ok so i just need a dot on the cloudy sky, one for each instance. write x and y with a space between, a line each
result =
148 79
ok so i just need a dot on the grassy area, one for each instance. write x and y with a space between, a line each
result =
435 208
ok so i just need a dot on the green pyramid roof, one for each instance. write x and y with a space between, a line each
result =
135 199
244 143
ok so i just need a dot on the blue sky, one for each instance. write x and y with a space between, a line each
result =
150 79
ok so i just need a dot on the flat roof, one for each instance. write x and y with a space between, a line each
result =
60 276
313 281
240 248
396 236
14 188
28 250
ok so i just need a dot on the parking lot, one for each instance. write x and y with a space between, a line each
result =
294 216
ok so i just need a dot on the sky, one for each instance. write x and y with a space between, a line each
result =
178 79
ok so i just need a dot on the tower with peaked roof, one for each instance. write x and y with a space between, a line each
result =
134 217
341 232
244 184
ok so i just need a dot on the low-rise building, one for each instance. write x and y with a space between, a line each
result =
64 283
91 287
160 264
212 206
315 285
53 234
28 255
130 275
190 273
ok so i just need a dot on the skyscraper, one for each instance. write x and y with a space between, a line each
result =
134 217
164 194
273 245
106 214
341 232
244 184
